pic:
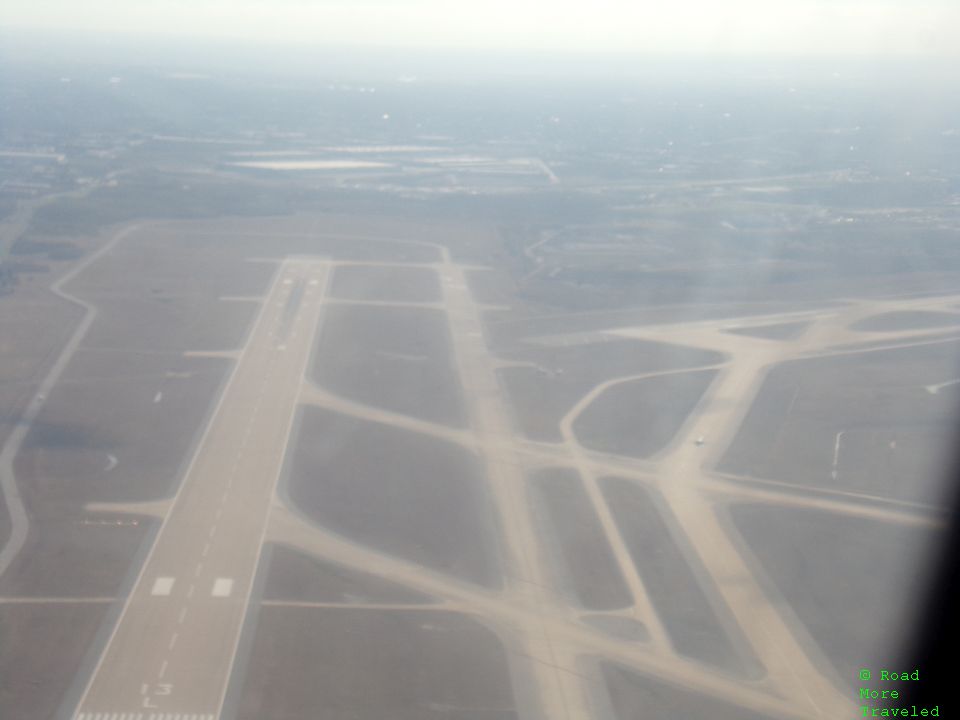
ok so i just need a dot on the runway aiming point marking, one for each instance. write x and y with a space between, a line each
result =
162 586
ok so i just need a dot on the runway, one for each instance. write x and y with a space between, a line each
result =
171 653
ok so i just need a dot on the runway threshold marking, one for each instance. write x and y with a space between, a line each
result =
162 586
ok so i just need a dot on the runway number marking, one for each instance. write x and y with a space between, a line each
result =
151 691
222 587
162 586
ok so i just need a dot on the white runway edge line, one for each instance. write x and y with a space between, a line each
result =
8 484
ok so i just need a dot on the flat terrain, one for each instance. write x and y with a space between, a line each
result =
300 578
401 492
385 284
629 691
637 418
780 331
544 382
395 358
584 561
830 423
367 664
68 627
906 320
322 466
696 627
468 388
836 575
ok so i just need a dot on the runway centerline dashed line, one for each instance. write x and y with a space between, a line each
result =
182 616
191 590
163 669
197 570
173 640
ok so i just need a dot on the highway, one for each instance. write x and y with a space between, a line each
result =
171 653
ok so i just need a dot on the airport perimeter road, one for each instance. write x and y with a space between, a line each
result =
172 650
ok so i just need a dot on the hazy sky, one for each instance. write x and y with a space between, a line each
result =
790 26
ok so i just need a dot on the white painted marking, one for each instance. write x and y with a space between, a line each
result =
197 570
183 615
213 530
158 397
314 282
281 347
190 591
163 669
836 454
173 641
222 587
206 550
111 463
162 586
288 281
934 389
